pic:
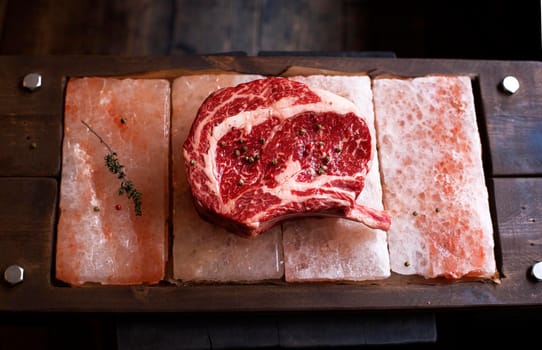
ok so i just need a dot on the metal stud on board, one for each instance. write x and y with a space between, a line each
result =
536 271
14 274
32 81
510 85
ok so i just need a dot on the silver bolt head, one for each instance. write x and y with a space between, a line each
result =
536 271
32 81
510 85
14 274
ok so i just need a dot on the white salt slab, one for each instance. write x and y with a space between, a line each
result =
329 249
204 251
433 178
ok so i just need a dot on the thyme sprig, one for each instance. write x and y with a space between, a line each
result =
126 186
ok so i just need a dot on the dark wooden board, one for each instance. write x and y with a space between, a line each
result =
41 27
516 144
255 331
29 192
35 138
417 28
301 25
216 26
15 100
161 27
26 223
141 27
519 214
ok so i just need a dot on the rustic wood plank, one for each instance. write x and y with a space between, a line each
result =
57 331
526 102
26 237
231 331
15 100
137 28
518 204
301 25
47 100
513 122
118 27
142 27
3 7
516 144
357 34
31 145
53 27
164 67
211 26
27 226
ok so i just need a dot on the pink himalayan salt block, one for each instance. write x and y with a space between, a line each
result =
99 238
330 249
203 251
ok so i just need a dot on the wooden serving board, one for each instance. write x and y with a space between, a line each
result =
30 162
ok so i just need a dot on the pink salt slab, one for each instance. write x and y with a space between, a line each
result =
337 249
203 251
100 239
434 187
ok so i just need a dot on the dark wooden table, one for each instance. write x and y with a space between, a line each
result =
415 28
30 165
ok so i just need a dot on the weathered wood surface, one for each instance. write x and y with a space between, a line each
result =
40 27
415 28
26 223
518 204
159 27
29 186
35 138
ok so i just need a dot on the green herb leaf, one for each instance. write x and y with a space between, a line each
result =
112 163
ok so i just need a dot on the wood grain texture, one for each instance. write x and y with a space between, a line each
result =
26 236
140 27
275 331
31 145
3 7
146 27
516 144
213 26
51 27
15 100
519 213
301 25
526 102
27 225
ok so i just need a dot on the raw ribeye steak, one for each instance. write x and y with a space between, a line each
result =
273 149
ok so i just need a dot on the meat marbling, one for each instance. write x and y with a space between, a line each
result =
203 251
334 249
274 149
